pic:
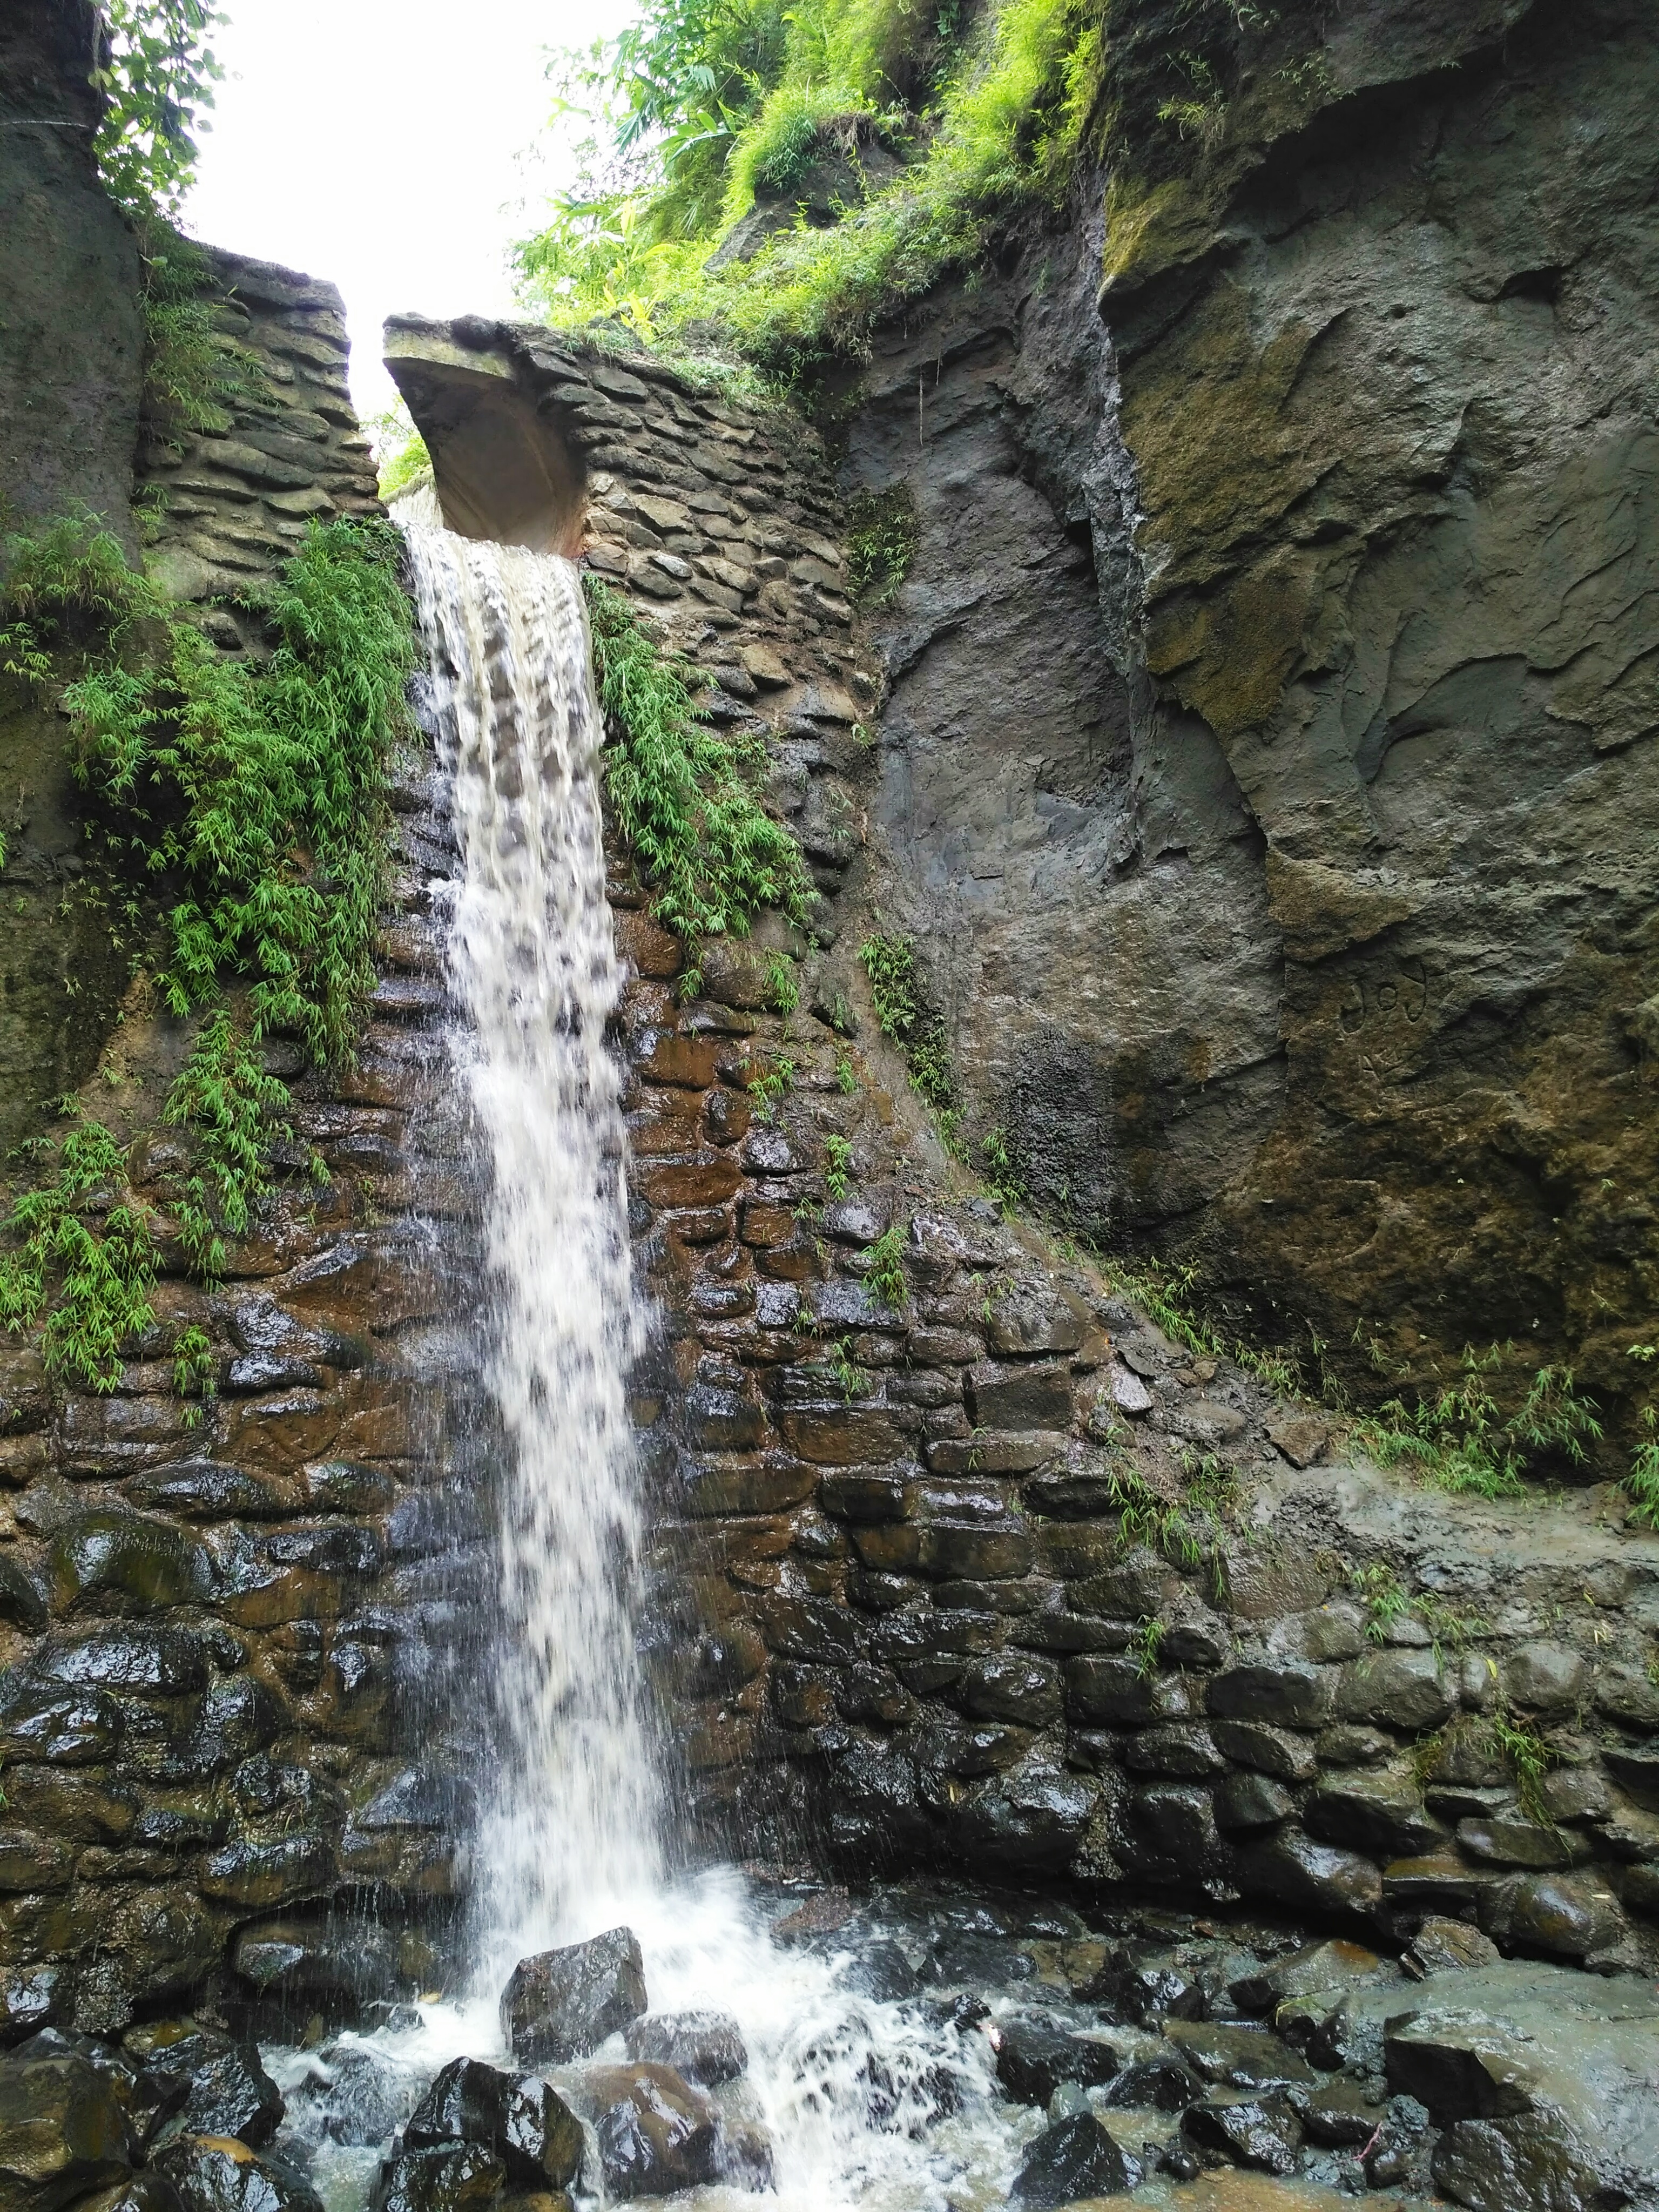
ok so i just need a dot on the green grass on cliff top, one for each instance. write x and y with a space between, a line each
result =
700 108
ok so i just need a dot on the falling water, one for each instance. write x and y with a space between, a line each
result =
569 1816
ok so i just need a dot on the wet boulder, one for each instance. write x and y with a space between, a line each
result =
881 1971
1237 2057
1525 2163
562 2004
225 2088
1156 2085
213 2173
1134 1989
63 2130
1317 1967
656 2133
706 2047
1443 1947
148 2191
521 2118
1256 2132
1076 2157
451 2177
1035 2056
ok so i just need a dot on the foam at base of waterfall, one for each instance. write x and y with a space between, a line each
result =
571 1814
847 2085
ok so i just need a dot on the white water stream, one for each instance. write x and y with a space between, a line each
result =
570 1842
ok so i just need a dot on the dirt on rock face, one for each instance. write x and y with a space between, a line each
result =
1283 896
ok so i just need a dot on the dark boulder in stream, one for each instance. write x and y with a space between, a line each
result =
701 2046
560 2005
1074 2158
522 2120
656 2132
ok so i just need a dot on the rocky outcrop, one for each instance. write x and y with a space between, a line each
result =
72 342
1284 892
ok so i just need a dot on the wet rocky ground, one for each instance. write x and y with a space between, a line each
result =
915 2049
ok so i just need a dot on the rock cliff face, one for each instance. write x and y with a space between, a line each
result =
1268 758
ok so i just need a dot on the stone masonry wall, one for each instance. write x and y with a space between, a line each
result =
225 1630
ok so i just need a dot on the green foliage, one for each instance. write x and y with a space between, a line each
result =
771 1088
1643 1481
253 796
400 453
845 1369
847 1081
838 1165
158 83
885 1271
191 370
891 964
1460 1440
1001 1172
881 537
87 1257
1191 1534
193 1371
683 799
889 961
746 98
1387 1603
1144 1644
1528 1756
782 983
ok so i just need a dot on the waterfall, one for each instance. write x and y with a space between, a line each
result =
568 1818
858 2095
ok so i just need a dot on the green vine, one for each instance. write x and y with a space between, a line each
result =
252 797
683 798
158 84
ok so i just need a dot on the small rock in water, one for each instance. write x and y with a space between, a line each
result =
1072 2158
702 2047
210 2173
1036 2056
1070 2099
1256 2132
522 2120
562 2004
1444 1947
1156 2085
656 2133
882 1971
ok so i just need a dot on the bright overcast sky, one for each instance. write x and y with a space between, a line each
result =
379 143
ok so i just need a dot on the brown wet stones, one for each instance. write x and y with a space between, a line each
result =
1292 1870
1074 2158
522 2119
216 2173
656 2132
1316 1967
1284 1694
1247 2058
1521 2164
705 2047
63 2130
1259 2131
562 2004
1442 1947
1565 1915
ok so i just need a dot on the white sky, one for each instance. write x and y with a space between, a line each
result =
381 143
